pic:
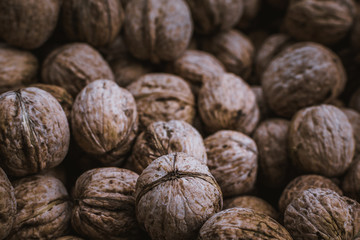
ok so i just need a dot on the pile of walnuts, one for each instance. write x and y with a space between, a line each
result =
180 119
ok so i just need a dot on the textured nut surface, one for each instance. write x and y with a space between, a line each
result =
157 29
161 138
7 205
302 75
227 102
321 140
322 214
355 100
354 119
104 121
242 223
34 131
351 182
232 159
73 66
43 208
162 97
175 195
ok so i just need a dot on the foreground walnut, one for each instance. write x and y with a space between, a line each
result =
34 131
351 182
242 223
7 205
175 195
355 100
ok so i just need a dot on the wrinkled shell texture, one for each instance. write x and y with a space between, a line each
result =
271 138
104 121
297 186
43 208
16 67
355 100
105 205
326 22
162 97
157 29
232 159
214 16
260 100
321 140
161 138
242 224
7 205
302 75
175 195
354 119
73 66
351 182
322 214
34 131
227 102
28 24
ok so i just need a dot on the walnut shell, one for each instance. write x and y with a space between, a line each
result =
162 97
34 131
322 214
43 208
157 29
321 140
232 160
161 138
7 205
351 182
175 195
242 224
355 100
264 109
104 121
73 66
298 185
28 24
227 102
354 119
302 75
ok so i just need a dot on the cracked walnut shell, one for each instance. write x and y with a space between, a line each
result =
7 205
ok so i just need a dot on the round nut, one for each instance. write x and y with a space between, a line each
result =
7 205
355 100
351 182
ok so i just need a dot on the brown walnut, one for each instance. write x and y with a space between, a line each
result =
351 182
7 205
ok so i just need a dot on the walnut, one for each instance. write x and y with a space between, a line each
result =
73 66
7 205
351 182
242 223
321 140
271 138
34 131
117 49
161 138
175 195
43 208
58 172
105 204
298 185
265 112
354 119
214 16
302 75
96 22
251 10
104 121
28 24
162 97
157 29
355 100
322 214
227 102
232 159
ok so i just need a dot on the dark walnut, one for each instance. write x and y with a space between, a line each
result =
43 208
157 29
227 102
321 140
326 22
214 16
104 121
242 224
271 138
28 24
34 131
7 205
251 10
233 49
264 109
175 195
355 100
298 185
16 67
161 138
322 214
351 182
302 75
105 204
232 160
73 66
354 119
96 22
162 97
115 49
